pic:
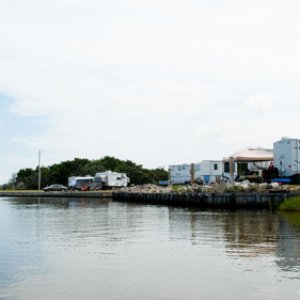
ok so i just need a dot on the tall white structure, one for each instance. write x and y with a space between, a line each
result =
287 156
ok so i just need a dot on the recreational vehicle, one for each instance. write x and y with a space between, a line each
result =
287 156
82 183
207 171
111 179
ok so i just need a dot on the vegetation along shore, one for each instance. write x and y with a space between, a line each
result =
291 204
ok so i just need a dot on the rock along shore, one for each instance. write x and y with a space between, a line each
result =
268 197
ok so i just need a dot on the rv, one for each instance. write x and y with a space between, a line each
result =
81 183
210 171
287 156
110 179
180 174
207 171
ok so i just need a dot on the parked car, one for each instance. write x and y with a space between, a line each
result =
55 187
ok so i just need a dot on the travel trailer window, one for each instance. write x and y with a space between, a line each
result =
226 167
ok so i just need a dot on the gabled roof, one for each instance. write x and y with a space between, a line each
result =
252 155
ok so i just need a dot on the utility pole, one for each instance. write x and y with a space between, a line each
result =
39 171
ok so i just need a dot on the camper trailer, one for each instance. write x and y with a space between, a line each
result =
180 174
207 171
110 179
210 171
81 183
287 156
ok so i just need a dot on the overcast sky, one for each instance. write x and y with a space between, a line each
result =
158 82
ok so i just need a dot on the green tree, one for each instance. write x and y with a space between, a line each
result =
59 173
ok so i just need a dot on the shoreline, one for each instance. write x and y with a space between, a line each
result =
68 194
245 200
207 200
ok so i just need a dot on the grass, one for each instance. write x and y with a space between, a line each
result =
291 204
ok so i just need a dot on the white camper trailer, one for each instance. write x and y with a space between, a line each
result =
210 171
287 156
82 183
110 179
180 174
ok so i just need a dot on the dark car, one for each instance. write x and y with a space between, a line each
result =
55 187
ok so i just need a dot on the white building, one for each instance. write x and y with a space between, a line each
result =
287 156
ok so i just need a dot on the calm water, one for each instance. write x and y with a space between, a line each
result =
87 249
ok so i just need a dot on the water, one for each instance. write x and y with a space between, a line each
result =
100 249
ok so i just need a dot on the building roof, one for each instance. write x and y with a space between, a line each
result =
252 155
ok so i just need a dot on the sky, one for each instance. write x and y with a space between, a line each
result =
156 82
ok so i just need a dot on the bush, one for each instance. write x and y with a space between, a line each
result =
291 204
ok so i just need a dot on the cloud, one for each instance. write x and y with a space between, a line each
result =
258 105
159 82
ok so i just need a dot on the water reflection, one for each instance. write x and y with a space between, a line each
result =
251 233
75 248
242 233
289 244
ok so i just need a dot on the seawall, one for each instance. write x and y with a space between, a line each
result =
68 194
206 200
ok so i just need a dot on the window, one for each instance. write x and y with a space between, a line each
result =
215 167
226 167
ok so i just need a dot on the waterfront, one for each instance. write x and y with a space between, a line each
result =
100 249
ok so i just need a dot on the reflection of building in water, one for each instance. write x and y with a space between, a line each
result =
196 226
251 233
289 243
239 233
245 233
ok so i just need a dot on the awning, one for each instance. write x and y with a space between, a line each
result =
252 155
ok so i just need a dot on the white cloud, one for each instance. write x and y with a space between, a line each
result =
258 105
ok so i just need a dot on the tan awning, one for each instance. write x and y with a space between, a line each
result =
252 155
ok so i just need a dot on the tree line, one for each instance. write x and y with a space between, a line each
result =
59 173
